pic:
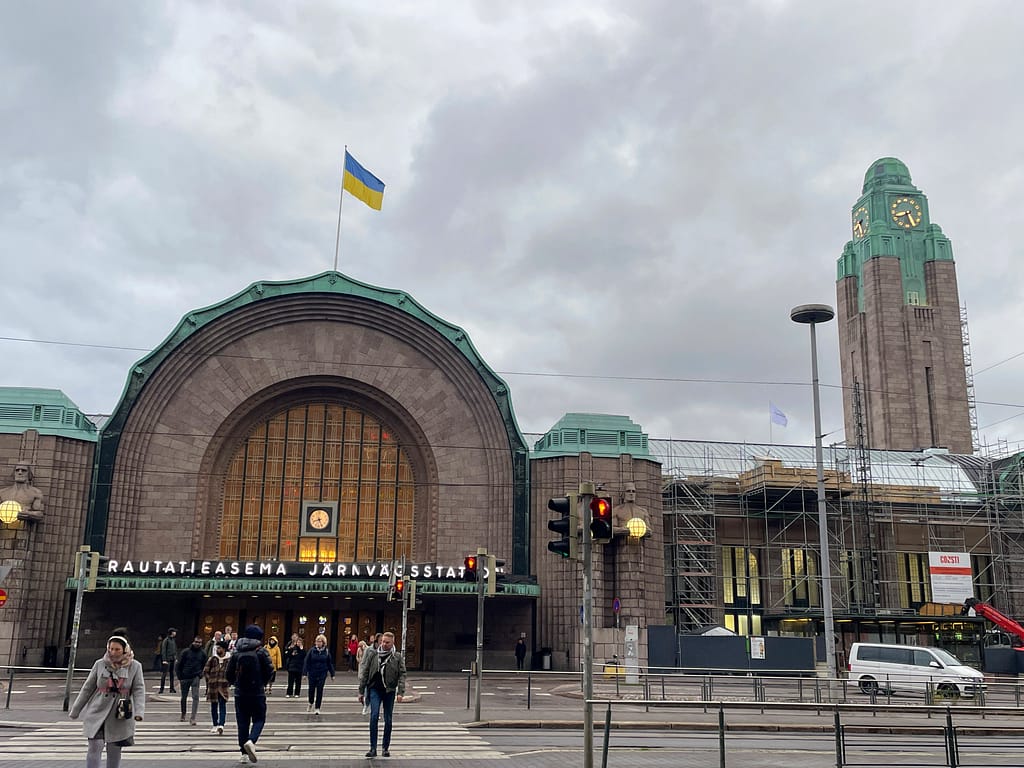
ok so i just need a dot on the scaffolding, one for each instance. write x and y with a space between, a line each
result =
886 510
692 559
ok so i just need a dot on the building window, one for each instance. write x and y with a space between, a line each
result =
318 452
852 566
800 579
913 576
741 590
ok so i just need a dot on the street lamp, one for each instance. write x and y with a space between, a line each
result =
812 314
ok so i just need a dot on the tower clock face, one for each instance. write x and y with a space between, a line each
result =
906 212
860 222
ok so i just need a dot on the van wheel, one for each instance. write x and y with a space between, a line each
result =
868 686
948 691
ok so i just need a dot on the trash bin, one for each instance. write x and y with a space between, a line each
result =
545 658
50 656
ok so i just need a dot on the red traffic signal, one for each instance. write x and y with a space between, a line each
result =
469 569
601 518
399 587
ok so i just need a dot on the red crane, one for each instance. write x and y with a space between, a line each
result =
1003 622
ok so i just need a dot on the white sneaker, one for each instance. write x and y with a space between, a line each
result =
309 708
316 711
366 711
244 759
214 729
250 750
220 730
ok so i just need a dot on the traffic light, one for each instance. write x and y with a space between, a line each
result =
95 561
469 568
565 525
493 564
601 519
398 591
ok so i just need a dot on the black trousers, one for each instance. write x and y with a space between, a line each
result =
294 684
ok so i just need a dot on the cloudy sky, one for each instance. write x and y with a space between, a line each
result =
620 202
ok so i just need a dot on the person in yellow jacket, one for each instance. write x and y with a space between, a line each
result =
274 649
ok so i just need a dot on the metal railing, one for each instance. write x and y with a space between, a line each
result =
615 683
853 743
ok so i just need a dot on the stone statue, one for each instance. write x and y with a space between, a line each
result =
629 508
27 495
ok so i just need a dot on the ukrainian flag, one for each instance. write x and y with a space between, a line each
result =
360 183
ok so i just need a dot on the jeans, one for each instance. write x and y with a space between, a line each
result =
376 699
251 716
190 683
294 684
218 711
95 753
316 691
167 667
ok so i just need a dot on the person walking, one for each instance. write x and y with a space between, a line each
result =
275 659
112 700
190 670
294 660
520 653
249 669
158 656
168 658
217 689
353 652
317 666
382 683
360 652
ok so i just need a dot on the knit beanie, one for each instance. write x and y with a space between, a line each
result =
253 632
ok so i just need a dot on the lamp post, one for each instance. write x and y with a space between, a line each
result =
812 314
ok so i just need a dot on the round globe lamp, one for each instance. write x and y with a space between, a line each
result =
9 512
637 527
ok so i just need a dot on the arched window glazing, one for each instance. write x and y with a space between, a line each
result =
318 452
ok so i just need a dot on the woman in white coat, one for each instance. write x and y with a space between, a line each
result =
114 678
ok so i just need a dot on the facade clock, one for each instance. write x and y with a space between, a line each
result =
319 518
906 212
860 223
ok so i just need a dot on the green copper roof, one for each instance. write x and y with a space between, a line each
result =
48 411
886 172
596 433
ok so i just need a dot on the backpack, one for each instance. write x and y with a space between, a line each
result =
248 675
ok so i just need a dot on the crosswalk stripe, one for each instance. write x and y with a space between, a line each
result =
289 741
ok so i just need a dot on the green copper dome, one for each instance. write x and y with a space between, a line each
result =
887 172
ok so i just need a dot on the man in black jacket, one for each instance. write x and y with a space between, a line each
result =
190 672
249 670
168 657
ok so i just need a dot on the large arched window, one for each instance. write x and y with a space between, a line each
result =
318 452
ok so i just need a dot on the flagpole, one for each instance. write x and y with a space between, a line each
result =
341 198
770 423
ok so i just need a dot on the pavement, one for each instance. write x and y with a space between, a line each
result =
436 725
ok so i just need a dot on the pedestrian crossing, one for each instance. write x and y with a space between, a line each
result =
285 740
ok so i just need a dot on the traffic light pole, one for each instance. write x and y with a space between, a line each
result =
84 554
480 558
586 496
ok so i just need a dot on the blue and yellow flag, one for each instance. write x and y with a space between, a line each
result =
359 182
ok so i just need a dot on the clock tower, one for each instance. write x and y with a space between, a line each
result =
900 340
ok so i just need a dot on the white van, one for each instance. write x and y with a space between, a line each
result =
876 666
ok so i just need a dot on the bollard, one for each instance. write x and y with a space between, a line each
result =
721 737
840 742
607 735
